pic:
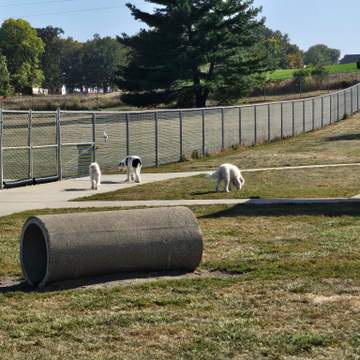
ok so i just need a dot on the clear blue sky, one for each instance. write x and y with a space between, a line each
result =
307 22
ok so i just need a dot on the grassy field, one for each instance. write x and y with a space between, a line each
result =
67 102
286 74
275 283
304 183
338 143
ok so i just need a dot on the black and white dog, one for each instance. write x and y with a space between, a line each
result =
133 165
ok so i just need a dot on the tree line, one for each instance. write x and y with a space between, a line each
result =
190 51
43 58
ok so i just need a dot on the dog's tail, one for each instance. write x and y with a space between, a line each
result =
213 175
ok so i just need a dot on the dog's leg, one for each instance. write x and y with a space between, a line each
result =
137 175
218 185
227 185
132 175
227 182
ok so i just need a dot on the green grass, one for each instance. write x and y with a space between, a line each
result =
302 183
288 287
285 74
338 143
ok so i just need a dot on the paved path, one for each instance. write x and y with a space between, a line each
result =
58 194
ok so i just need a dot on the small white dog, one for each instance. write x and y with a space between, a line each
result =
230 174
133 164
95 175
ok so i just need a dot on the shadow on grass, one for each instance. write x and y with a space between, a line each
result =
102 281
345 137
327 208
201 193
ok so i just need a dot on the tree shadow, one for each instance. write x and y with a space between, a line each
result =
102 281
344 137
330 208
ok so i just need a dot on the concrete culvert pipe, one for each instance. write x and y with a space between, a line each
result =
69 246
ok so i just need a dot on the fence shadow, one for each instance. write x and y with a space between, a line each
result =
326 208
345 137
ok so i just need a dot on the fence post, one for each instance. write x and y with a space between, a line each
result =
338 106
293 118
127 134
304 116
313 114
255 125
30 169
1 151
59 149
282 121
331 106
156 139
222 129
351 101
203 131
94 136
269 123
357 97
345 107
181 134
240 124
322 112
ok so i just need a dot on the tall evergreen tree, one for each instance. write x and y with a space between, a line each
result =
192 49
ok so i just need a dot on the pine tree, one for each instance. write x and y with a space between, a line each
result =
192 49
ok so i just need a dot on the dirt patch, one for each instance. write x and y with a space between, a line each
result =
351 300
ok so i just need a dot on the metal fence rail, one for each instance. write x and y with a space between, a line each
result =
38 146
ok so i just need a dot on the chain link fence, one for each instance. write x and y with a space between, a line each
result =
43 146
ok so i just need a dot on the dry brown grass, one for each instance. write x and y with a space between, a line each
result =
301 183
292 292
339 143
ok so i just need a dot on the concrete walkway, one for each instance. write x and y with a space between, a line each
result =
59 194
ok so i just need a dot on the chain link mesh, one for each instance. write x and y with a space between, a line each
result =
46 144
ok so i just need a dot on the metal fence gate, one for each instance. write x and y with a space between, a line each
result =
38 146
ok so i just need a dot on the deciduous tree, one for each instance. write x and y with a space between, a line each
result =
52 57
22 48
321 55
5 87
102 58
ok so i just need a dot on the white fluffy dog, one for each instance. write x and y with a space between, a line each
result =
133 165
230 175
95 175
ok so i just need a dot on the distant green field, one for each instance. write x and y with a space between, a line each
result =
333 69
